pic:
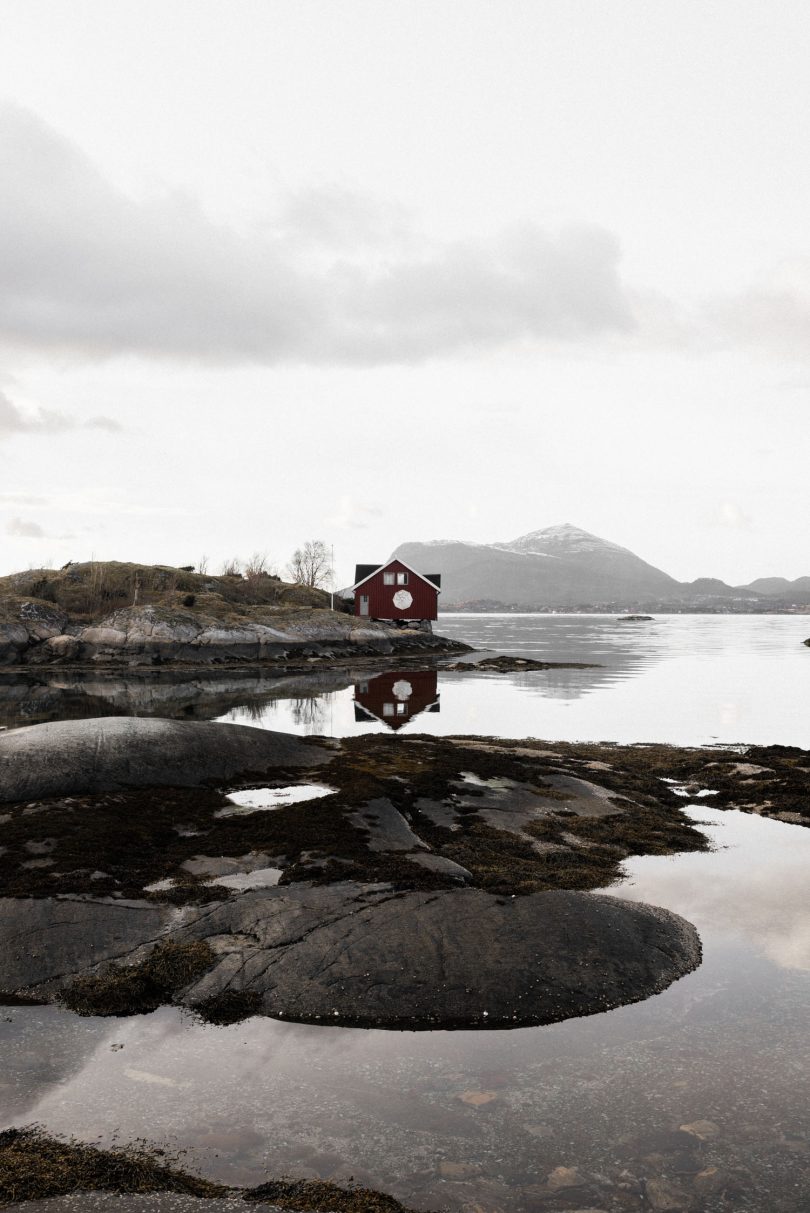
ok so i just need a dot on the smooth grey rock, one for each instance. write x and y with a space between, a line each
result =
387 828
75 756
44 939
371 956
438 863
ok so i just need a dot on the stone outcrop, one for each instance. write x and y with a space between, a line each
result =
34 633
74 756
386 900
371 955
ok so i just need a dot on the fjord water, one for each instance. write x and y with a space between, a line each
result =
695 1099
682 679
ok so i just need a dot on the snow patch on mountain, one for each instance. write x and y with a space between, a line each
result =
571 539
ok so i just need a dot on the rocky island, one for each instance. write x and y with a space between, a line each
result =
116 615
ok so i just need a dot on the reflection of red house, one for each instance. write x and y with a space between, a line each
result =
396 697
395 591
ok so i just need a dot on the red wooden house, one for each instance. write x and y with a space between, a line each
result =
396 697
396 592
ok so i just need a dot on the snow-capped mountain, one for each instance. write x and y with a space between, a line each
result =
565 567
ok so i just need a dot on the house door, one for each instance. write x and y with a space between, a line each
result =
364 604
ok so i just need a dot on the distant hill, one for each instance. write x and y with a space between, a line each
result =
563 567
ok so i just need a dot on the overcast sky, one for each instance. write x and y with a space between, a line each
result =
376 271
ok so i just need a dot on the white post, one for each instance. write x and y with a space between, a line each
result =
332 580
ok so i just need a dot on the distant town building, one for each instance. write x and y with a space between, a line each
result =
396 697
395 592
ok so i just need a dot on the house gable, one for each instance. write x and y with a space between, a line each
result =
371 570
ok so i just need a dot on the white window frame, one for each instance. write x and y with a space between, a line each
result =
389 578
402 578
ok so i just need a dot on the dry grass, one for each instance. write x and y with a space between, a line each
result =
91 591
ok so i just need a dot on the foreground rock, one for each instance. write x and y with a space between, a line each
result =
374 957
428 882
69 756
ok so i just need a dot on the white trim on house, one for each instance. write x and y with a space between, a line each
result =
396 560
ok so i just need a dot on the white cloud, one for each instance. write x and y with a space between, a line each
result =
730 515
90 271
44 421
353 515
22 529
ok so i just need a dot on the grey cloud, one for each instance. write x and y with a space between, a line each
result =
24 529
86 269
45 421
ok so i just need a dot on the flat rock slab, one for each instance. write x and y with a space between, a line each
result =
99 755
386 827
43 940
374 957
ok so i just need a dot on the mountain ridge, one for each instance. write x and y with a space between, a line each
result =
566 567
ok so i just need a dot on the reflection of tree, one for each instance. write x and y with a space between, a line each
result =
253 709
310 714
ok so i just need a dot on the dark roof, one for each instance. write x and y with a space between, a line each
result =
361 571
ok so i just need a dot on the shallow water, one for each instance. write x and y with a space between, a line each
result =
481 1119
682 679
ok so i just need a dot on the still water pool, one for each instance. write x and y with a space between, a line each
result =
696 1098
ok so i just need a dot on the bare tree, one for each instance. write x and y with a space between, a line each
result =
232 567
202 567
311 564
257 566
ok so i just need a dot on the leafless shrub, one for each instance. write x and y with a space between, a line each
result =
311 564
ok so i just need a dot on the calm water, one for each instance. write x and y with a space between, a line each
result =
480 1120
684 679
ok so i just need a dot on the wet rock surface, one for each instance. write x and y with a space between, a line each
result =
368 923
507 664
360 955
70 756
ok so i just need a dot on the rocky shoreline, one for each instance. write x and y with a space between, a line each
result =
149 636
490 849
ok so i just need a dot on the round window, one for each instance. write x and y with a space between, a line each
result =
402 600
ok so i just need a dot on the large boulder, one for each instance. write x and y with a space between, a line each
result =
97 755
369 955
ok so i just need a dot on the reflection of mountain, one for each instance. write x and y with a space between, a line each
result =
396 697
